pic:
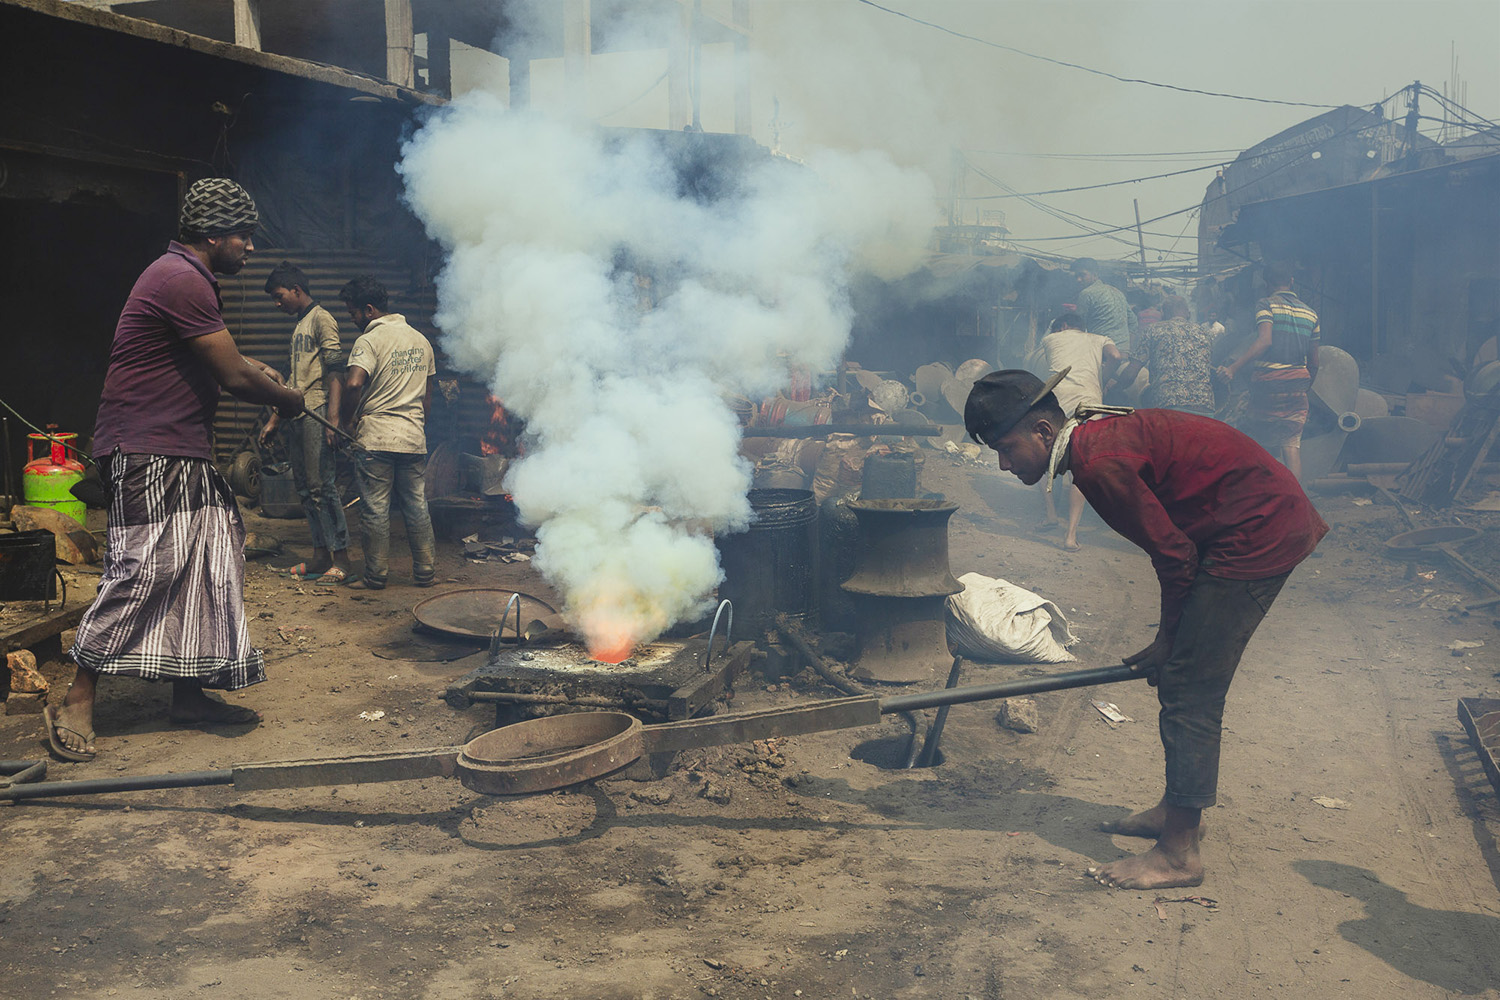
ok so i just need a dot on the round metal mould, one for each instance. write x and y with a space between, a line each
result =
1412 544
543 755
475 613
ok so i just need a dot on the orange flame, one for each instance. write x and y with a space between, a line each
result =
610 633
612 654
497 434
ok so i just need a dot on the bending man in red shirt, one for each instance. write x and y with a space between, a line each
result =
1224 524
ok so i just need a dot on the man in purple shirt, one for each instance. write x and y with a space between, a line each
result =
171 602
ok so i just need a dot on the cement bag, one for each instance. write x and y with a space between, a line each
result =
995 621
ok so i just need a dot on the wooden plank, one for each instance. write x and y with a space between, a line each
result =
53 625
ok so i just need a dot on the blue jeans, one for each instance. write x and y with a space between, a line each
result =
381 474
314 476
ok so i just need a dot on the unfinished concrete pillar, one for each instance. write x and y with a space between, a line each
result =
577 43
247 23
439 62
520 78
400 44
680 72
740 11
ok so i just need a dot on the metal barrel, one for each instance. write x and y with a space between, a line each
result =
1008 689
769 568
99 786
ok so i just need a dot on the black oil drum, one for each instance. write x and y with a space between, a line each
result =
27 559
770 568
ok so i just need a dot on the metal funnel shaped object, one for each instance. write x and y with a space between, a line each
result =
903 549
903 640
901 578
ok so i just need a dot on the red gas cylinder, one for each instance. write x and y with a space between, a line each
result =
48 480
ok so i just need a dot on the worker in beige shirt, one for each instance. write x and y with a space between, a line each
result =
385 397
315 361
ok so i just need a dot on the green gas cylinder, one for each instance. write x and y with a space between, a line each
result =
47 481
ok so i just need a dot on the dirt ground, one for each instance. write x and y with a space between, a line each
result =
1353 852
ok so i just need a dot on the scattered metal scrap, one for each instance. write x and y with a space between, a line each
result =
1481 717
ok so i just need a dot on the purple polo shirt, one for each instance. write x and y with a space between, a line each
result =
159 399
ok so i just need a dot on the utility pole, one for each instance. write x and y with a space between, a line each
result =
1140 238
955 180
1413 117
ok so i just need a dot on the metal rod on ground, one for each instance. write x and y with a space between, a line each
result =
935 732
859 430
794 634
18 772
1009 689
97 786
715 731
590 701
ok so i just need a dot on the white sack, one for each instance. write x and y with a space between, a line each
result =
996 621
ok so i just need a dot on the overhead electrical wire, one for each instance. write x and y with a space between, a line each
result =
1091 187
1089 69
1290 161
1188 154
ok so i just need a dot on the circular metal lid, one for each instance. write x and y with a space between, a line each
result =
474 613
1422 540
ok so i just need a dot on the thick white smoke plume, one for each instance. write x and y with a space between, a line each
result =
633 450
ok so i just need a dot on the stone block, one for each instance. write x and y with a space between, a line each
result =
1019 715
25 704
75 546
25 678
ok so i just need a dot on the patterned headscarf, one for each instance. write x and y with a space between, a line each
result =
215 206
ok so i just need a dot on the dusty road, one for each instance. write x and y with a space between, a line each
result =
1353 853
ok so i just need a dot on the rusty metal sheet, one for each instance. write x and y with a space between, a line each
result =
742 727
542 755
1481 717
704 688
435 762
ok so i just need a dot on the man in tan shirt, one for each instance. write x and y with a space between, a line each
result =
386 396
314 361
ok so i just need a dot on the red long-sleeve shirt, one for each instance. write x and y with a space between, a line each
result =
1196 494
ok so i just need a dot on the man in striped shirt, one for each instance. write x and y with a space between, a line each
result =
1285 359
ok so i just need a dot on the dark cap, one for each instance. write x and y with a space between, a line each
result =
1000 399
1088 264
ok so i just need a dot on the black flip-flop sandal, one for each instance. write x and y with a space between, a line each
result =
61 749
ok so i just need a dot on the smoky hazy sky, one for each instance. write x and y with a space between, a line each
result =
842 74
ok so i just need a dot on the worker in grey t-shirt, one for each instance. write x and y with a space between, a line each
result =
386 395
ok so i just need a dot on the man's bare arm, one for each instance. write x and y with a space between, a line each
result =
244 381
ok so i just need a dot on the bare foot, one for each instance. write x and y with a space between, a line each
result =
1070 544
1158 868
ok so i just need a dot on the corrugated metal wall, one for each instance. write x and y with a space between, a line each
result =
263 331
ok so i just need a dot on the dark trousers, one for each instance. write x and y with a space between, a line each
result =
1217 622
313 473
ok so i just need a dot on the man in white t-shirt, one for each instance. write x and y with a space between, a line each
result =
1089 360
386 396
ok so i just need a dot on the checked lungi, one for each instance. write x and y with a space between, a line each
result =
1278 406
171 602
